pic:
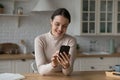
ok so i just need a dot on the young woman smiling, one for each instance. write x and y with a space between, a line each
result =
47 46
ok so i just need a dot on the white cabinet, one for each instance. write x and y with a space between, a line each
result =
100 17
22 66
16 66
98 63
6 66
117 16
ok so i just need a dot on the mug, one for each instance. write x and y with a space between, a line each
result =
116 68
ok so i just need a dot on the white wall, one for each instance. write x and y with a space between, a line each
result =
39 23
32 25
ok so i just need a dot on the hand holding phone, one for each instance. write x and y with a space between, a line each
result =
64 60
65 49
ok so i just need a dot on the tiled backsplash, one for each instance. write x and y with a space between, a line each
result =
39 23
30 27
102 42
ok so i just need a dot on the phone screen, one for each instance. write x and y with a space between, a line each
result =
65 49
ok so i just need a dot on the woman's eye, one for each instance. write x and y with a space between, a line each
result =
57 24
65 26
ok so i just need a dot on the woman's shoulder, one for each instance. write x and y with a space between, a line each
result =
67 36
41 37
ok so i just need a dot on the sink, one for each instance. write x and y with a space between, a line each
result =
95 53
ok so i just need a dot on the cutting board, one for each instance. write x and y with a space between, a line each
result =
112 74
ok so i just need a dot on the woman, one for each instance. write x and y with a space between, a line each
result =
47 46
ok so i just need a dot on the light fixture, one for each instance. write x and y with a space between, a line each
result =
44 5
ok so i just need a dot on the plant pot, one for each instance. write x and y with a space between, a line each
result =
1 10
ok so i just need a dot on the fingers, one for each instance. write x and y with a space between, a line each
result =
54 60
64 60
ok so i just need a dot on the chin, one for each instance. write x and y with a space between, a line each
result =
58 35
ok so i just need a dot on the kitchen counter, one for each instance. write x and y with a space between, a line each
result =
85 75
98 55
16 56
30 56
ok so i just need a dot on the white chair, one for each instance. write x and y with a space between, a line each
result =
34 67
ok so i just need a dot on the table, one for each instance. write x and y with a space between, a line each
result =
84 75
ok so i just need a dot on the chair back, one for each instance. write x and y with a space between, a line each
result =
34 67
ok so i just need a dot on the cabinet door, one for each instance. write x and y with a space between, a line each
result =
22 66
6 66
106 17
98 17
118 17
76 66
88 17
100 63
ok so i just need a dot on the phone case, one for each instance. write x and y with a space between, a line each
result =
65 49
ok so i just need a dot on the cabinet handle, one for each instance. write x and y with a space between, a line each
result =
92 67
23 60
101 58
110 67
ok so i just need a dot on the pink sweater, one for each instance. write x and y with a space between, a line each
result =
46 45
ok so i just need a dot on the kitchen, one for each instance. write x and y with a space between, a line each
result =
16 28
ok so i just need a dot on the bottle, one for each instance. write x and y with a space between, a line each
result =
111 46
24 46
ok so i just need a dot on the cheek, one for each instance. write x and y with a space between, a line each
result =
64 29
54 28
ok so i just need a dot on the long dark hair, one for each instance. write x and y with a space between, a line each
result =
63 12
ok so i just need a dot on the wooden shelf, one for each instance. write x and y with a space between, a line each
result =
12 15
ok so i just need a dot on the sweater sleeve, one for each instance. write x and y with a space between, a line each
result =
72 44
43 66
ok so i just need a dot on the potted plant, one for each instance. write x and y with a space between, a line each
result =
1 8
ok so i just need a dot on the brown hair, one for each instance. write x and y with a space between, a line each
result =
63 12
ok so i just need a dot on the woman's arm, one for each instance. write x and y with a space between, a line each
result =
44 68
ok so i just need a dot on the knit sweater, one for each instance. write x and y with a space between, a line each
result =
46 45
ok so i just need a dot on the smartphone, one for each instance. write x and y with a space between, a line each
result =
65 49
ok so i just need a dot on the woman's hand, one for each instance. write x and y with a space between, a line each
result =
64 60
54 61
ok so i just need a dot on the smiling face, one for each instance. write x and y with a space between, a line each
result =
59 25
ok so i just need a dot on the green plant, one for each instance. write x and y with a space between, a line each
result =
77 47
1 5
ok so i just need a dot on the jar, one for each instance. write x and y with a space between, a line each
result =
111 46
20 10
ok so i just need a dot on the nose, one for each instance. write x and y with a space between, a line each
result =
60 28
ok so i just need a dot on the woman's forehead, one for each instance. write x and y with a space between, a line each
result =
61 19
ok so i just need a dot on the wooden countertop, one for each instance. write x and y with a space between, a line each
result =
99 55
30 56
16 56
86 75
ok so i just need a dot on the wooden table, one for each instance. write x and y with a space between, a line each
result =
86 75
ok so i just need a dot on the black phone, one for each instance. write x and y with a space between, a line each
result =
65 49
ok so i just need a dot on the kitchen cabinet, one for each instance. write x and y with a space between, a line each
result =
22 66
100 17
11 9
16 66
88 17
6 66
95 64
117 17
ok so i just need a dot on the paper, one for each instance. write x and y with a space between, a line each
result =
11 76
